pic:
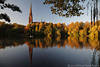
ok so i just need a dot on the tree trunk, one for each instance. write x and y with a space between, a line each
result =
91 15
97 12
94 13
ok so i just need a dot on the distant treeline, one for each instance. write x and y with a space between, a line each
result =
50 30
77 29
43 29
11 30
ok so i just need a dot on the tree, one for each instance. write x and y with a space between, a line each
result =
94 10
69 8
66 8
13 7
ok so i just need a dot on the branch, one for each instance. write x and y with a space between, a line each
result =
12 7
5 17
2 1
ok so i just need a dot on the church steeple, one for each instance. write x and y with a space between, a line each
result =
30 15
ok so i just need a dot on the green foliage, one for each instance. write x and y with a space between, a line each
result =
4 4
66 8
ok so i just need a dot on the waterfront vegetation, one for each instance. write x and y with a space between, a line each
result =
11 30
74 29
50 30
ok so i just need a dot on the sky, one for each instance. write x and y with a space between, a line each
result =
40 12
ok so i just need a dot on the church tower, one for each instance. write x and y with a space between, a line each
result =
30 15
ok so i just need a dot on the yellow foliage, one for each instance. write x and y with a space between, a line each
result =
98 28
58 32
58 25
65 29
81 33
36 28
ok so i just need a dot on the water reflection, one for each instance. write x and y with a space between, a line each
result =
73 43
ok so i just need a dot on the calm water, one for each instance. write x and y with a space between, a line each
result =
49 53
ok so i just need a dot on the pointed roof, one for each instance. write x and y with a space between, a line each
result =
30 15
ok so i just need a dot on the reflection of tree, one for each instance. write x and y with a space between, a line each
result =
93 62
77 43
72 42
10 42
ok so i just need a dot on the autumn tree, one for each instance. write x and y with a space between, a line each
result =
93 6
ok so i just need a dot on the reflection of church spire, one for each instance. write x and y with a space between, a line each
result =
30 15
30 54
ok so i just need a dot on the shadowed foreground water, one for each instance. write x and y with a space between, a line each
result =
49 53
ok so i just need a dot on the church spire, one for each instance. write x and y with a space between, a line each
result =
30 15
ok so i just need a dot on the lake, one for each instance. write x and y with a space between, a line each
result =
70 52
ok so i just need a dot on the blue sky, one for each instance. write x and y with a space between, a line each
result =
40 13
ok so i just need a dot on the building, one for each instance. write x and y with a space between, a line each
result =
30 15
